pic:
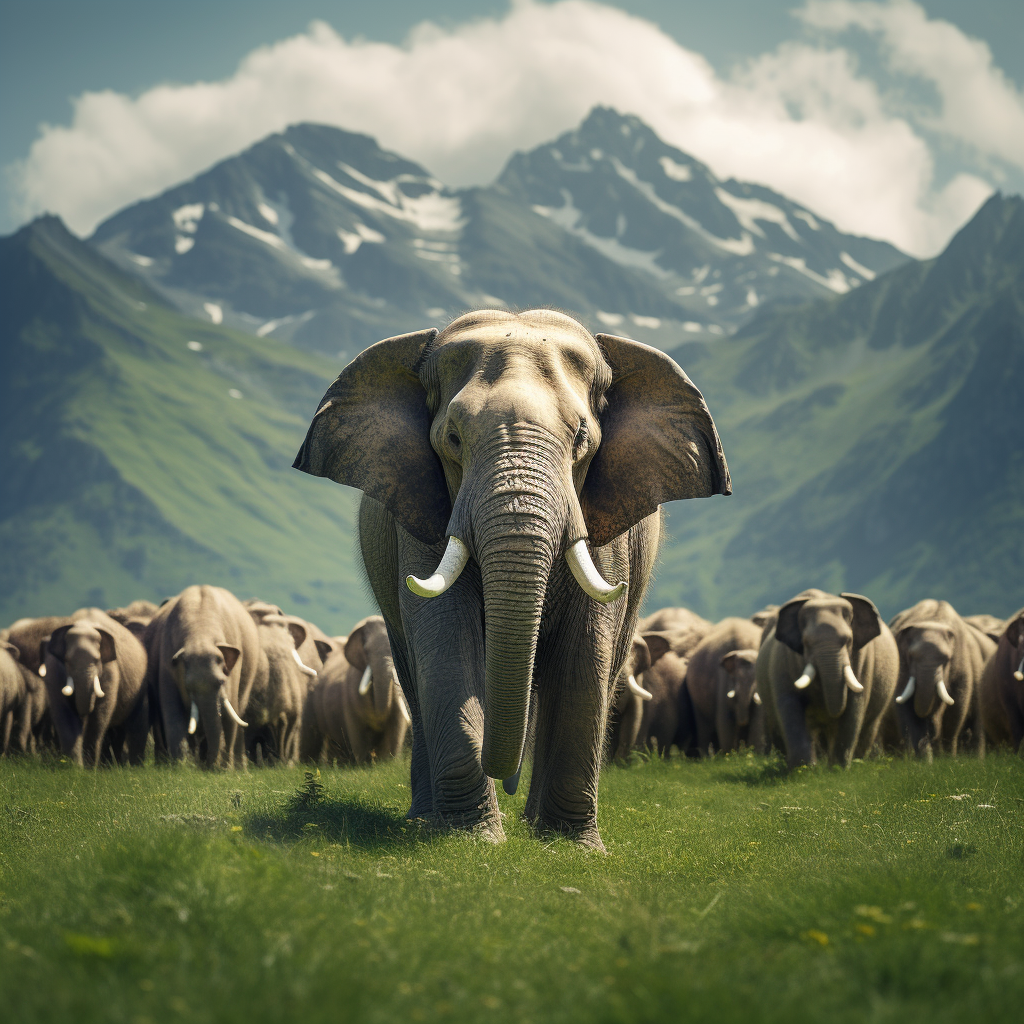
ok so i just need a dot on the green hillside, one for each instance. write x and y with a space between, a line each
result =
876 441
129 468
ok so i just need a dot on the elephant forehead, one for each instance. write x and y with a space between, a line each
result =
820 609
84 636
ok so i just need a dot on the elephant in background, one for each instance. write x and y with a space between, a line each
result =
1001 694
204 660
631 696
357 707
722 688
768 614
135 617
95 671
988 624
23 697
942 659
829 665
511 466
688 627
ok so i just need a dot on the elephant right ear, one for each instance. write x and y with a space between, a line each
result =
1014 630
324 648
355 647
787 626
867 623
659 644
57 643
372 432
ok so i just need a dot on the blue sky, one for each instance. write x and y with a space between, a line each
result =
893 106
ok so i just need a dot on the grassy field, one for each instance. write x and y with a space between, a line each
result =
732 892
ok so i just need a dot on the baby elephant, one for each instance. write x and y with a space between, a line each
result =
727 708
941 662
357 705
1002 687
94 682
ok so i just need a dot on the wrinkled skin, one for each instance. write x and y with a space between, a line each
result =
828 632
357 728
1001 694
94 649
203 647
935 642
519 434
723 663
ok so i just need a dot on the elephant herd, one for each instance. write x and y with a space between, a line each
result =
207 677
823 677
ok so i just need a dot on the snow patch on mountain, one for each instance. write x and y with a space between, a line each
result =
749 211
833 279
677 172
857 268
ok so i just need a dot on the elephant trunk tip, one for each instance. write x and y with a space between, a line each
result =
511 784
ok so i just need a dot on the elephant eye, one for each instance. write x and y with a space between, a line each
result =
579 442
454 441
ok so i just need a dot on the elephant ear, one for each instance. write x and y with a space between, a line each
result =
730 662
372 432
658 644
11 650
355 647
56 644
231 655
1014 630
298 632
658 442
640 656
787 626
867 623
108 648
324 648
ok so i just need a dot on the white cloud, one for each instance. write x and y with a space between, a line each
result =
802 119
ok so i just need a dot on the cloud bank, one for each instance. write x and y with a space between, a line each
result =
804 119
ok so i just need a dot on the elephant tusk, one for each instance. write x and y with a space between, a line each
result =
583 569
943 692
731 695
366 681
637 689
305 669
193 719
96 688
42 671
68 688
234 714
908 691
756 698
805 680
851 680
1018 675
454 560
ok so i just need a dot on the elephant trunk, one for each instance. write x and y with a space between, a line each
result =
213 726
742 706
520 517
383 688
930 689
832 661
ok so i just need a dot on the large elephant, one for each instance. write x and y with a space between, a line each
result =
24 696
94 683
727 709
204 660
489 455
1002 687
942 658
830 665
356 707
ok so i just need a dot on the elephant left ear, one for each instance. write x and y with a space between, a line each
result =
867 623
658 442
108 648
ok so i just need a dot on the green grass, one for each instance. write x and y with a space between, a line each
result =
732 892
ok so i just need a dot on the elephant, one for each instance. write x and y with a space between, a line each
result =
829 665
274 711
30 636
631 695
510 465
768 614
135 617
942 658
1002 687
95 672
317 646
677 621
205 659
988 624
14 695
357 706
722 689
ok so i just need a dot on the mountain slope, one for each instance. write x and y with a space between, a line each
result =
876 441
317 236
144 451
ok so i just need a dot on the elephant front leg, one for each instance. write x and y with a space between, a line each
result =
793 719
571 711
851 723
175 718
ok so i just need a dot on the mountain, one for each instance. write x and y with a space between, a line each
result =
876 441
319 237
144 451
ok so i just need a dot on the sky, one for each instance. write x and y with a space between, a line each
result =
892 118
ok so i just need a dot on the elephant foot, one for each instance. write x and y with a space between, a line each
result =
585 833
487 827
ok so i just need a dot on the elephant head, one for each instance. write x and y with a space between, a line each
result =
368 651
827 630
926 650
1014 634
201 670
83 649
519 437
742 692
